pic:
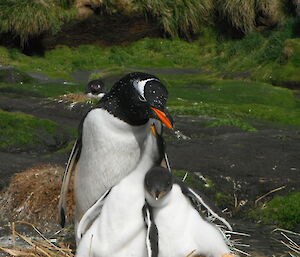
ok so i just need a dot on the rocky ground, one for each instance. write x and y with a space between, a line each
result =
242 166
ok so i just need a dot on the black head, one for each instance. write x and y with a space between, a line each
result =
95 87
158 182
139 96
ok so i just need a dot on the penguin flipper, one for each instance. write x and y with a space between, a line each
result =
72 161
152 231
197 198
90 215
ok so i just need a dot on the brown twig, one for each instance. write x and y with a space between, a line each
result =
270 192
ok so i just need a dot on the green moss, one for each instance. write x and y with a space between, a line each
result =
282 210
20 132
233 123
223 199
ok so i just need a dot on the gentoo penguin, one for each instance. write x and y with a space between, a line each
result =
114 226
182 231
95 89
112 138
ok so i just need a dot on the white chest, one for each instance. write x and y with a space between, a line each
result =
110 150
119 230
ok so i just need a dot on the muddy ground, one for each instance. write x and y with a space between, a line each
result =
242 165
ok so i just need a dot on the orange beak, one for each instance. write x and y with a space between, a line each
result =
163 117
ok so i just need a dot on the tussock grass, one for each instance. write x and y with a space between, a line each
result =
32 18
177 18
241 14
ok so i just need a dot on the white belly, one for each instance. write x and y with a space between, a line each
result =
183 231
120 230
110 150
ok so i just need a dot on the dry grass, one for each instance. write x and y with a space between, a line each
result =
291 240
179 17
271 11
33 196
38 246
85 7
244 14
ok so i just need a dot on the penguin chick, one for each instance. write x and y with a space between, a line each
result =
182 231
95 89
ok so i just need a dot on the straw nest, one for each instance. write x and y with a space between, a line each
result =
33 196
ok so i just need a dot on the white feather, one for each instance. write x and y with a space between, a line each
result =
140 86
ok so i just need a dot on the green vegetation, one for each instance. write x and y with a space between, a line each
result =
269 57
225 200
20 132
234 102
282 210
147 53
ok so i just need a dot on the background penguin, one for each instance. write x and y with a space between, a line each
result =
95 89
181 229
119 230
111 139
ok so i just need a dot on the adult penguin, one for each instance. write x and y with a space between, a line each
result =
182 231
95 89
112 137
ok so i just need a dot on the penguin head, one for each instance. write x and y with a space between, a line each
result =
158 183
136 98
144 96
95 89
150 92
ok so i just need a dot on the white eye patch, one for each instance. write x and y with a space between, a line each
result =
139 85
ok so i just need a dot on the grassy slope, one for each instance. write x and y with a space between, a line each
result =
23 132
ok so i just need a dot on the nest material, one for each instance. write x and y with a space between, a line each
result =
75 97
33 196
